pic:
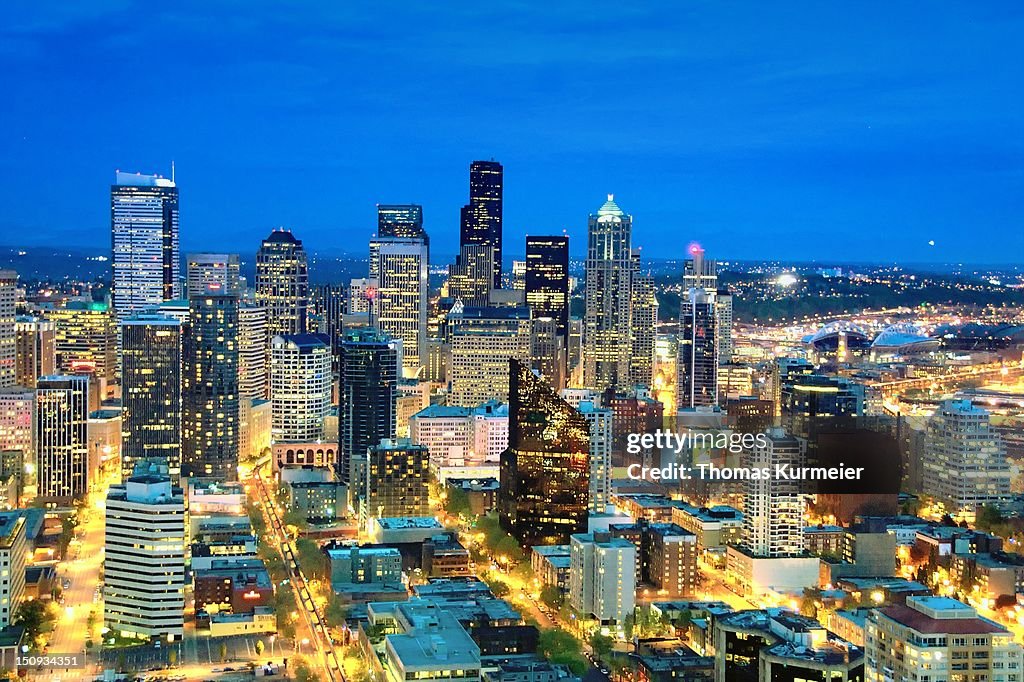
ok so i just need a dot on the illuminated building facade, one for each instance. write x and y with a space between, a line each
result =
17 421
547 280
965 462
482 341
282 282
547 351
253 347
212 272
8 333
545 472
210 388
369 372
85 338
607 324
35 351
644 328
600 421
401 220
62 448
146 262
300 387
151 364
698 356
144 562
469 277
396 483
399 265
481 217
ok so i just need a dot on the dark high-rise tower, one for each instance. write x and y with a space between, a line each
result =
697 382
282 282
481 217
151 363
401 220
210 387
547 280
369 370
545 472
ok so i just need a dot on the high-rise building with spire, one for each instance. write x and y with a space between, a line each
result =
146 261
607 333
545 473
481 217
282 282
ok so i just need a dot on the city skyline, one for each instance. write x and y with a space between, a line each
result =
886 137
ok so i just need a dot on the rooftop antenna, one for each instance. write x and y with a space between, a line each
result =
172 170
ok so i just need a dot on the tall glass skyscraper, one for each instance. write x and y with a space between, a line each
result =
369 371
547 280
401 220
146 261
282 283
481 217
697 383
399 265
210 388
607 333
300 387
545 472
62 444
151 364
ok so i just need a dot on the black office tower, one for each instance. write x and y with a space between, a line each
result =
481 217
545 472
369 370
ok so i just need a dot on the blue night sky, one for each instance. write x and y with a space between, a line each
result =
799 130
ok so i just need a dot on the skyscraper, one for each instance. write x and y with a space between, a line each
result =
328 306
698 358
965 462
151 364
547 279
773 508
210 388
85 338
468 277
401 220
545 472
481 217
144 542
36 350
396 483
482 341
282 282
399 265
600 421
369 371
146 262
546 287
607 335
300 387
702 273
644 327
62 446
213 272
253 352
8 334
